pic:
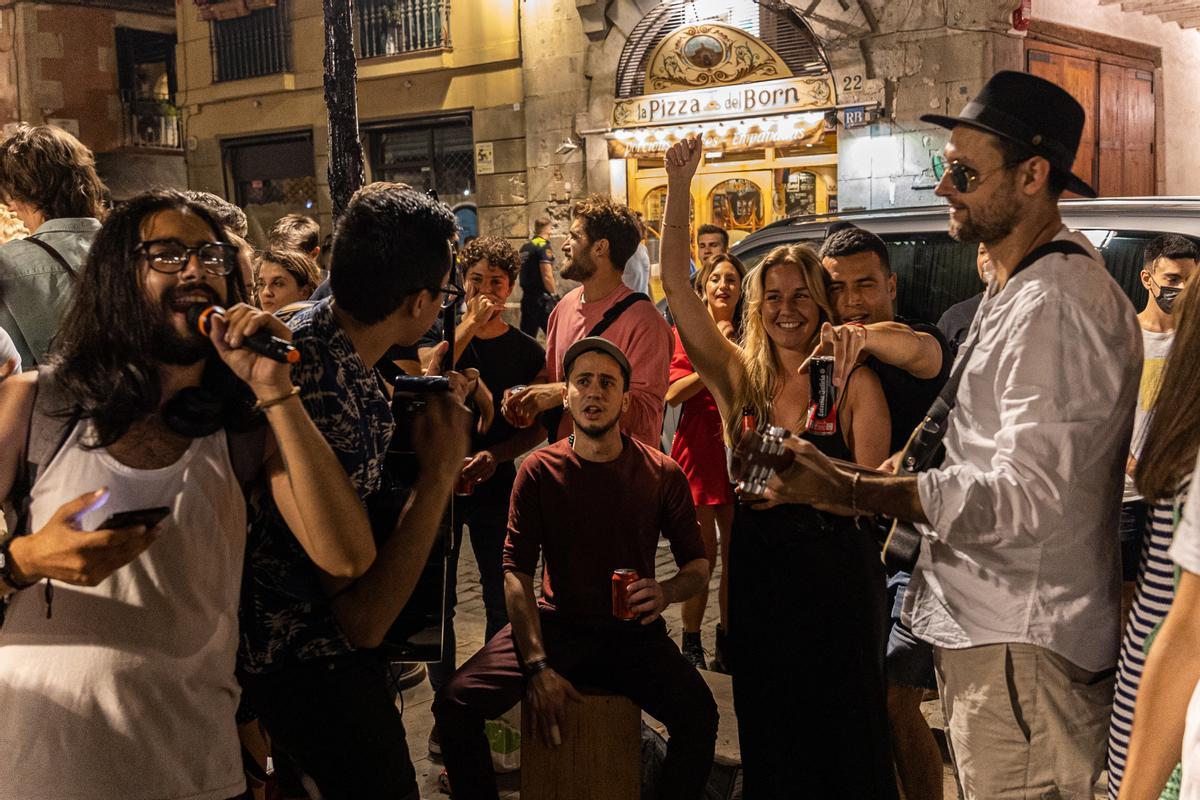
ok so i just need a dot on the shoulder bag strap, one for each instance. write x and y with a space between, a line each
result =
923 443
617 310
57 256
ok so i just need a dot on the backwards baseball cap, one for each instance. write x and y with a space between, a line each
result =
597 344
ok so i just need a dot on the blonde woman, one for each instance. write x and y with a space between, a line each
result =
807 612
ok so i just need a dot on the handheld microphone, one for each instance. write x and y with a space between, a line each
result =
261 342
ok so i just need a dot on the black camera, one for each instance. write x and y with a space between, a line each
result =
410 394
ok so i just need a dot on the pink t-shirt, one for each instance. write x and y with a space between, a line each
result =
643 336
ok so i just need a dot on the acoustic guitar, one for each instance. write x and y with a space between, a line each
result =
760 454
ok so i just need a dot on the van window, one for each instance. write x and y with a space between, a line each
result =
934 272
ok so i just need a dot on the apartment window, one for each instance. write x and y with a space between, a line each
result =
427 154
146 80
271 177
391 27
259 43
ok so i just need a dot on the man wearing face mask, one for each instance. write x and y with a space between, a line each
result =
1170 262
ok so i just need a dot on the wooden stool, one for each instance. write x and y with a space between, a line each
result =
600 757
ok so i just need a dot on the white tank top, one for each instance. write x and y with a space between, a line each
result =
128 691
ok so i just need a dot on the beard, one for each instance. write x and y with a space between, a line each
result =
169 345
992 221
578 267
594 430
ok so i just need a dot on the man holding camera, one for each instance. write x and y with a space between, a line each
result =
563 508
306 662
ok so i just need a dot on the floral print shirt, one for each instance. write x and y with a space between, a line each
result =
286 617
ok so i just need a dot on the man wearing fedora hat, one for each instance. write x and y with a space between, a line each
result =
1018 582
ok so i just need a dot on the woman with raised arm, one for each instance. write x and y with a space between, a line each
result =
807 614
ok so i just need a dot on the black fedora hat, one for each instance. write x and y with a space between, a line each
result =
1030 111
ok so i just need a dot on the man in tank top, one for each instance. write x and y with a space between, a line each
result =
118 643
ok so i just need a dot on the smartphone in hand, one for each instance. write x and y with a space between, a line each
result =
141 516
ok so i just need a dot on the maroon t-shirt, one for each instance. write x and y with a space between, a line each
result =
590 518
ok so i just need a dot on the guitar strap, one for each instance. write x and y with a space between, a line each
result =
932 429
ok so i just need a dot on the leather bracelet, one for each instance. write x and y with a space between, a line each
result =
6 573
261 404
536 666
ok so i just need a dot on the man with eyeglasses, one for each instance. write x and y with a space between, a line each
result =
1017 587
120 629
308 664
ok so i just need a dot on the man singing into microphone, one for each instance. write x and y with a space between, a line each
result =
117 648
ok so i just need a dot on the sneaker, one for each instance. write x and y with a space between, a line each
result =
435 741
692 650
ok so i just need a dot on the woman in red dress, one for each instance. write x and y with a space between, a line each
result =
699 446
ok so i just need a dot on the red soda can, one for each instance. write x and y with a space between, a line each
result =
621 578
822 402
749 421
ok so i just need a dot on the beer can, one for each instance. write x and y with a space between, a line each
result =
822 403
621 578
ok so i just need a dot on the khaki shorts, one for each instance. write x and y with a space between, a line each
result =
1023 722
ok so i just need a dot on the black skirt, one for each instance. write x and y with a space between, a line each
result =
807 636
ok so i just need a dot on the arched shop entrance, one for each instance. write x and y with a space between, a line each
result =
749 78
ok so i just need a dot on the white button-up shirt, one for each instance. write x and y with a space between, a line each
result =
1022 541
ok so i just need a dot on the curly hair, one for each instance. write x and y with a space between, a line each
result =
498 253
605 219
390 243
227 215
52 171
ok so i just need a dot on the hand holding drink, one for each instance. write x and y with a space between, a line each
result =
513 408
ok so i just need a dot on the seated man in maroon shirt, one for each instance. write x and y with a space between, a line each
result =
592 503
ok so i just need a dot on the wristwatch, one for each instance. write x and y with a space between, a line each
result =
6 567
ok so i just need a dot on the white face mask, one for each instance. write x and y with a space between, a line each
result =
988 270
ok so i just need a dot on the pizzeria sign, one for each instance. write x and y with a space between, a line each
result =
724 102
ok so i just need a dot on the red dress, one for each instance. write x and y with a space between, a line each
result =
699 445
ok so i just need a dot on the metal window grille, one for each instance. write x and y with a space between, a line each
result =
427 154
257 44
391 27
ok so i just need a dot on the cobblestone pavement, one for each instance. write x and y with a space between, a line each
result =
469 626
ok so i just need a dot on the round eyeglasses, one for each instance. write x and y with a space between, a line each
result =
170 256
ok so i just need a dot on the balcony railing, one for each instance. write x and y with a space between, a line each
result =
392 27
150 123
257 44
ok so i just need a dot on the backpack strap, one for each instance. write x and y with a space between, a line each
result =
617 310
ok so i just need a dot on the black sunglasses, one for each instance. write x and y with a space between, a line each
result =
451 293
964 179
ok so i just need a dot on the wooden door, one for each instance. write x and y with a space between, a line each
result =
1079 76
1116 153
1138 173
